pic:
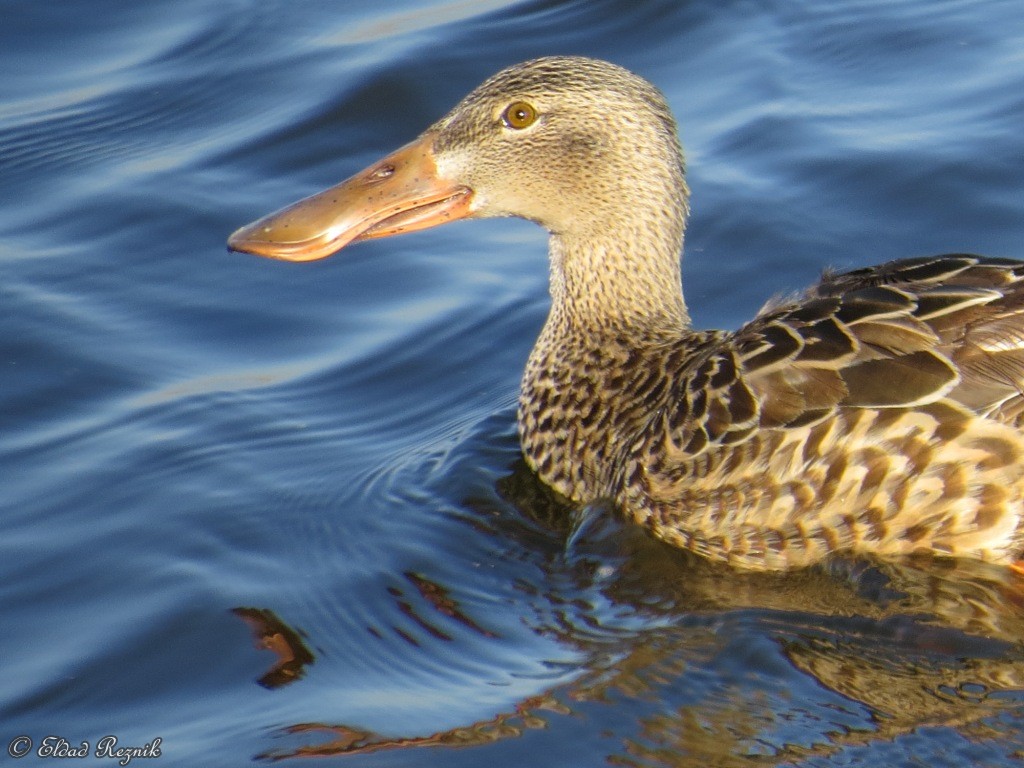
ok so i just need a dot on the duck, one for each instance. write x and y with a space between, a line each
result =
878 413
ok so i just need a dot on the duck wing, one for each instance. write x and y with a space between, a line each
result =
900 335
975 308
880 410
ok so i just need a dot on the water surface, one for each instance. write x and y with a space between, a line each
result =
261 510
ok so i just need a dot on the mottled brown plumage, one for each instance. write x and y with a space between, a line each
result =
879 412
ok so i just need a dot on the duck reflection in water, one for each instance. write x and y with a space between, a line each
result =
924 642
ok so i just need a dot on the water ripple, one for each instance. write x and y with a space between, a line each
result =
203 451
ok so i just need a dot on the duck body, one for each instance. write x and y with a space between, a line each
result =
880 412
875 414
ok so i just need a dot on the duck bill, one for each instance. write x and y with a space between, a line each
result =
401 193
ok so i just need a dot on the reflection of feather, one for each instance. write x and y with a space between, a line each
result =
272 634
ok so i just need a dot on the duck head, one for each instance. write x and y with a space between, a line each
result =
581 146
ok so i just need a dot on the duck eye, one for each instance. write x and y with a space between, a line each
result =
519 115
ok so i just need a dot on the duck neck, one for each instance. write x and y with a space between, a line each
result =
629 283
610 298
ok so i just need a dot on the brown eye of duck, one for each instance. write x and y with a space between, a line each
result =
519 115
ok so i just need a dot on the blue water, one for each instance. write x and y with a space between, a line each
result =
262 510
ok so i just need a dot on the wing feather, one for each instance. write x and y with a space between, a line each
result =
900 335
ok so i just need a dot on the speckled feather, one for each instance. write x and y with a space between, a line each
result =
879 413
